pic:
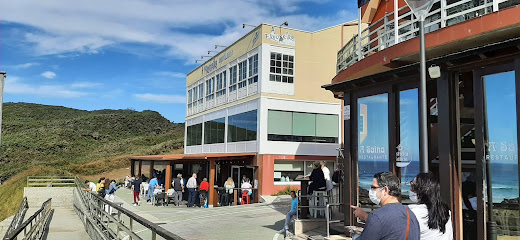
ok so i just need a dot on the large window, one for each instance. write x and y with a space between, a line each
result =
408 149
302 127
288 170
201 94
210 88
242 74
221 84
214 131
242 127
194 135
282 68
233 78
195 96
189 99
253 69
372 140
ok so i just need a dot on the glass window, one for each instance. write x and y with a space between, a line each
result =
242 74
279 122
302 127
214 131
281 68
407 155
304 124
285 171
327 125
372 140
502 150
233 78
194 135
242 127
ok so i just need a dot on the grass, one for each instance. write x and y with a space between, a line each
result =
285 191
42 140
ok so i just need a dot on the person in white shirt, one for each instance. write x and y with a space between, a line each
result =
91 186
326 174
433 215
192 188
246 186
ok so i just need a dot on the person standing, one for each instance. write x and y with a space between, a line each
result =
326 175
136 187
317 178
178 186
151 187
292 212
204 189
432 214
393 221
229 185
91 186
110 190
192 188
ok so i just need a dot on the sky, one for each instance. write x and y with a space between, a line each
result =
131 54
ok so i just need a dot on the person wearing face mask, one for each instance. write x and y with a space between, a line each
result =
432 214
392 221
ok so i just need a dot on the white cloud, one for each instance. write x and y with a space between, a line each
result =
48 74
14 85
22 66
161 98
170 74
89 26
85 85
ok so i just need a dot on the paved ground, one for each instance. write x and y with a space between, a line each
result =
65 225
255 221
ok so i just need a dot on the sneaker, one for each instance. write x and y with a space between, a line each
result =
135 204
139 203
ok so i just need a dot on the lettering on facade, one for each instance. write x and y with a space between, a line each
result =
286 39
211 66
255 38
403 156
225 56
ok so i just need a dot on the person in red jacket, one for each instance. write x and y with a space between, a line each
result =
204 189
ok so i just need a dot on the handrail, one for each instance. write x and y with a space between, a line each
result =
327 217
18 217
99 219
50 181
35 232
383 33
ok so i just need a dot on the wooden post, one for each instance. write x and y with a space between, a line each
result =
140 167
168 177
151 169
213 201
132 168
235 195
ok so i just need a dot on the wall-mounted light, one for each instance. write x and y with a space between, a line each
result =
209 52
196 61
434 71
202 57
216 46
284 24
249 25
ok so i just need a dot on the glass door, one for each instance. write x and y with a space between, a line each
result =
500 150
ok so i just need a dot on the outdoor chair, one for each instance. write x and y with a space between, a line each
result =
245 197
158 197
169 195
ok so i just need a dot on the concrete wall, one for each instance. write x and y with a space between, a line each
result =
62 197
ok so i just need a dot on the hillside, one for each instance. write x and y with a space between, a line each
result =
78 142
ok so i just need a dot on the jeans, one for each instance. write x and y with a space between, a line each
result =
177 197
150 193
192 196
288 218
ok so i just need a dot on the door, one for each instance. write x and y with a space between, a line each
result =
496 138
235 174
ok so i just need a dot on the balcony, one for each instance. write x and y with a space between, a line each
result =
386 32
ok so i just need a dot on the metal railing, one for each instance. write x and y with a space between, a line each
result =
386 32
107 220
18 217
50 181
35 226
327 216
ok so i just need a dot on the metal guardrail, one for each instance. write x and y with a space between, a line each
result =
50 181
107 220
37 224
387 32
327 216
18 217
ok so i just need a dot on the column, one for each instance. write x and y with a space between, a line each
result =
140 167
168 177
213 201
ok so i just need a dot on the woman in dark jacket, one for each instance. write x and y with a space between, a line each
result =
317 178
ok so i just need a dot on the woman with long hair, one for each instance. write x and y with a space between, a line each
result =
432 214
228 196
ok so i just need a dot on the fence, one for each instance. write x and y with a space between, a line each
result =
18 217
107 220
387 32
35 226
50 181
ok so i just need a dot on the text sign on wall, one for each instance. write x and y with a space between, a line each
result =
286 39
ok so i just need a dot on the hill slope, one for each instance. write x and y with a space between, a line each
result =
78 142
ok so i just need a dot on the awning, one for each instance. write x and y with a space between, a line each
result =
171 157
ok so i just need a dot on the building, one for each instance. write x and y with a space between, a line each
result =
473 130
257 109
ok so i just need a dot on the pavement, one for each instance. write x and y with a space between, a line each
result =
253 221
65 225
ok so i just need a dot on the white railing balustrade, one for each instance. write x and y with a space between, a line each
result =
381 33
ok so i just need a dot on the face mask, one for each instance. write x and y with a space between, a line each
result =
372 194
413 197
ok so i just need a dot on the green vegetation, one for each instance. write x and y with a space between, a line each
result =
285 191
75 142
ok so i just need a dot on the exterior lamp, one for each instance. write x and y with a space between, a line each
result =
434 71
420 9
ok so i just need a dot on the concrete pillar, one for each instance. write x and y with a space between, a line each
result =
213 201
168 177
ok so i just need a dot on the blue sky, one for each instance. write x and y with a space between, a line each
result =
131 54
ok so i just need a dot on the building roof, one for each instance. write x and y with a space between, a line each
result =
168 157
